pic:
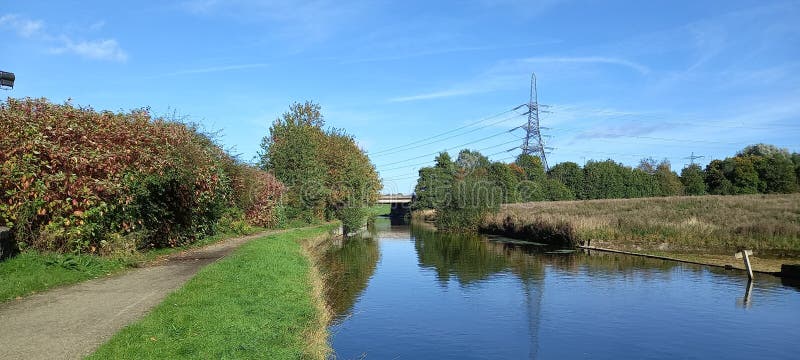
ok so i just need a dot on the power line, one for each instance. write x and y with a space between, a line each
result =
693 157
401 147
457 146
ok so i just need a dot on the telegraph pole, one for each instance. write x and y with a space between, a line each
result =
533 144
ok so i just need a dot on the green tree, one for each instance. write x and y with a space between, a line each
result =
531 191
716 177
433 188
472 199
744 176
291 151
640 183
776 172
669 184
569 174
327 174
532 166
503 176
604 180
556 191
472 163
796 161
692 178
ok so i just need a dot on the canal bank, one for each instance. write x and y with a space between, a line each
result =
262 301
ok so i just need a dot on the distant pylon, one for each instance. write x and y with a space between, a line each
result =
533 144
693 157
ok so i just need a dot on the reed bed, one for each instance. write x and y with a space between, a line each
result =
769 224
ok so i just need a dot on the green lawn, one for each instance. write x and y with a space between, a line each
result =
33 271
258 303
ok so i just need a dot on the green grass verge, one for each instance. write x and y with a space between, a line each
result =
33 271
256 303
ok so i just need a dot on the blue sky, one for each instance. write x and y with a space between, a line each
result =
623 79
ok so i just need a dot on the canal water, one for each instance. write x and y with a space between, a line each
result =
408 292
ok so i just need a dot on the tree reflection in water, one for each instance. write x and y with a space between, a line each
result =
347 267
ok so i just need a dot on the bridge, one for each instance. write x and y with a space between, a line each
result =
395 199
401 205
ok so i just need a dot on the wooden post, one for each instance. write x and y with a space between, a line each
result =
745 254
745 301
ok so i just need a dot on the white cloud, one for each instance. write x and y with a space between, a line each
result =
508 74
100 49
107 49
437 95
23 27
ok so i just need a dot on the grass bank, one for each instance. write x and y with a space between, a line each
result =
379 210
264 301
710 225
33 271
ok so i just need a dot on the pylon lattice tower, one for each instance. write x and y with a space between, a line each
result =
533 144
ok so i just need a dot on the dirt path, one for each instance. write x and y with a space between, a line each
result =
71 322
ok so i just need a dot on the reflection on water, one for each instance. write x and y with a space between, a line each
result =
348 264
410 292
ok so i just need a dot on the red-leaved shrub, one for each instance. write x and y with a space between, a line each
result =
74 179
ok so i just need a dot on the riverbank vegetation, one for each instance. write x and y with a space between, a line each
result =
76 180
262 301
464 191
327 174
768 224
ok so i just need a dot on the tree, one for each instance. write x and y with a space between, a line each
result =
716 180
556 191
472 162
532 166
669 184
328 175
776 173
744 176
604 180
432 189
443 161
569 174
692 178
350 177
291 151
503 176
639 183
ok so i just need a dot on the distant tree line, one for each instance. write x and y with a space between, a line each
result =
328 176
462 191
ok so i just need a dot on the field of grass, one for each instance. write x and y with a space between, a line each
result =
767 224
264 301
33 271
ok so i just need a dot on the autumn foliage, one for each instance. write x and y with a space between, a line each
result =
75 179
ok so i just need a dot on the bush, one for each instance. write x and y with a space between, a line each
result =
74 179
471 201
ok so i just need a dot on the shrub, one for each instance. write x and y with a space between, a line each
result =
74 179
